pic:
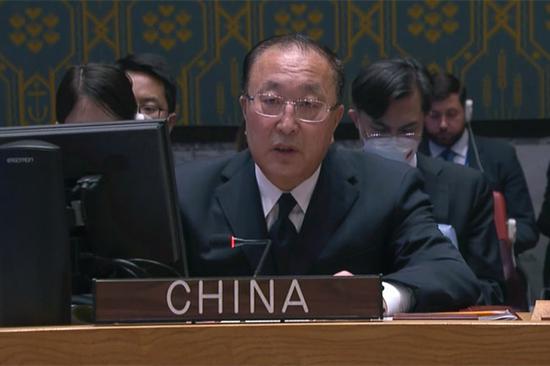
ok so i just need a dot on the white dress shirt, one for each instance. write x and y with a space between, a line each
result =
460 148
396 298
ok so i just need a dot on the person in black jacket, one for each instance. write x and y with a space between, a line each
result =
391 98
446 136
344 211
543 224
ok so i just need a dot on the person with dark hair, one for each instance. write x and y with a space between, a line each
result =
327 211
391 98
94 93
446 136
153 85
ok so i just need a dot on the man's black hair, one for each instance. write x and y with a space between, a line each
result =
377 85
155 66
302 42
445 84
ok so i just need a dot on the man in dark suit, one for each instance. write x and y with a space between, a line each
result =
391 98
343 211
446 136
543 223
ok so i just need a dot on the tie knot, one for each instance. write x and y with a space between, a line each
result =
286 204
448 155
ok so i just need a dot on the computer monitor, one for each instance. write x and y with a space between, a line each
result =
119 178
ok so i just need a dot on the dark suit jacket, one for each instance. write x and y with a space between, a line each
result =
543 223
504 173
367 215
461 198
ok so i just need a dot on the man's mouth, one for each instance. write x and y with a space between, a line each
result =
285 149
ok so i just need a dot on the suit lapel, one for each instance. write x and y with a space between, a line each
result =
435 186
239 198
333 197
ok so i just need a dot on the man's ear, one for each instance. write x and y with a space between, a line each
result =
244 105
171 121
338 114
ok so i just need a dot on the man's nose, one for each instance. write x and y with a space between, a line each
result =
443 125
288 123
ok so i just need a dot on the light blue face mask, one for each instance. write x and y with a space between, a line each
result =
402 149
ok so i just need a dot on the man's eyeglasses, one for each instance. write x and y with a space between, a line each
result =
152 111
305 110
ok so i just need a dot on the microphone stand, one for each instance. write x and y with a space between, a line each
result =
237 242
260 265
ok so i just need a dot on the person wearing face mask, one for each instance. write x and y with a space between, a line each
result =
391 98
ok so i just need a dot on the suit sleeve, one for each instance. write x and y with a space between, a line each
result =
481 248
422 258
519 205
544 218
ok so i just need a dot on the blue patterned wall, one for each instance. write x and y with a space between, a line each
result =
501 49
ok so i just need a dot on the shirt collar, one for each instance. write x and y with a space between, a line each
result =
270 193
460 147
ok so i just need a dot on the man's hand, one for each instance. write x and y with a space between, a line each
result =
343 273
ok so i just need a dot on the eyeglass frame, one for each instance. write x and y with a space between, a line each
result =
293 102
152 115
378 134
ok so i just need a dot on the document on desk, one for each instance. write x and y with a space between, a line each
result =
505 314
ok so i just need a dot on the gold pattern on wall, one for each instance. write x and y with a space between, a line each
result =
365 26
486 91
502 13
220 100
434 68
166 26
232 25
35 90
299 19
502 81
499 48
234 77
34 30
100 29
518 89
431 19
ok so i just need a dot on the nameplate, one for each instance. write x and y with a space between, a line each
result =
318 297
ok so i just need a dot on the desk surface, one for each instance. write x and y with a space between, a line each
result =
328 343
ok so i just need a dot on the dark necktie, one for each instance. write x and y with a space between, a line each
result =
448 155
283 233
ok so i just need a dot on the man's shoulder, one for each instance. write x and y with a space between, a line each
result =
450 171
362 161
205 168
494 146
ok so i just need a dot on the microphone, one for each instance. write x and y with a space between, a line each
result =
468 110
225 240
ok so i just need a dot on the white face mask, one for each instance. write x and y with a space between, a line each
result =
402 149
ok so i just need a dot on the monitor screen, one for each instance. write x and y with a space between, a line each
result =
119 179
